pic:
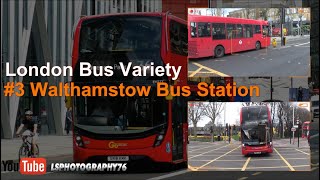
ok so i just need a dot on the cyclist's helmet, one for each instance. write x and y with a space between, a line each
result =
28 112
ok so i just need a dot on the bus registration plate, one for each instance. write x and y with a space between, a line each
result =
118 158
257 153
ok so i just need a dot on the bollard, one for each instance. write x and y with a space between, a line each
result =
274 42
284 40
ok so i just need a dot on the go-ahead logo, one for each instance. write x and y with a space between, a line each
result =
116 145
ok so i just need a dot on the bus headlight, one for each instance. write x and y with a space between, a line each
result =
79 141
243 145
159 139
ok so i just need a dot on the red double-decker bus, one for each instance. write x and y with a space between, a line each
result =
130 129
305 129
256 130
217 36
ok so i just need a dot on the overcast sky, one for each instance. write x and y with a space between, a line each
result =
232 113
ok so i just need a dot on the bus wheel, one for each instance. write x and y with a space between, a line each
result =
258 45
219 51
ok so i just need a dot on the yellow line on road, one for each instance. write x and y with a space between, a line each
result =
208 151
246 164
257 173
211 70
218 158
191 168
274 167
284 160
273 159
243 178
195 72
303 152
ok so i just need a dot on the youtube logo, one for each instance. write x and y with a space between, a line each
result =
33 166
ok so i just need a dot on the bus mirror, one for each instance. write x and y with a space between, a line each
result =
169 97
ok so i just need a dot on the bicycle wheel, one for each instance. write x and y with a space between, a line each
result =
23 152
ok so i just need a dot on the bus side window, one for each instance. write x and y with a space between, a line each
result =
247 28
257 29
204 29
231 31
193 29
218 31
178 38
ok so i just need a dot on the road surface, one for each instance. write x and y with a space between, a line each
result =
283 61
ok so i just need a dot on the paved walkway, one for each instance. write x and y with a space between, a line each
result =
288 38
283 143
49 146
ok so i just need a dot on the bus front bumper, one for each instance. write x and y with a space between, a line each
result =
248 150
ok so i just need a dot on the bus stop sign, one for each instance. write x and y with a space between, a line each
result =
293 129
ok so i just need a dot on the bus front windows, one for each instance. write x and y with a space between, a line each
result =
120 115
255 126
255 133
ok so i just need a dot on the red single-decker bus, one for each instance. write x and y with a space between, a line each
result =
217 36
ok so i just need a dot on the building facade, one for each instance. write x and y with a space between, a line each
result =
34 32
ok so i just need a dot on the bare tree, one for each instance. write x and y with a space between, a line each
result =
195 113
212 110
247 13
244 104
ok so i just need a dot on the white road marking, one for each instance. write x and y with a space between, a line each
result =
218 158
302 44
170 175
303 152
208 152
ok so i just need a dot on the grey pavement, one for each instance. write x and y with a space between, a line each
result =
48 146
285 143
288 38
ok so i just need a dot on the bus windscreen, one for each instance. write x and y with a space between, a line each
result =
120 115
255 126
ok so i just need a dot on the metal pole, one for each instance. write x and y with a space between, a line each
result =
282 129
293 126
281 27
298 134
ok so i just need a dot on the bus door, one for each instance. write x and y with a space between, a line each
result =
235 42
247 41
204 39
179 116
263 133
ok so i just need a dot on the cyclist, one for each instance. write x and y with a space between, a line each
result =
30 128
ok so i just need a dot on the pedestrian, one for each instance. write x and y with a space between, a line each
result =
68 120
300 94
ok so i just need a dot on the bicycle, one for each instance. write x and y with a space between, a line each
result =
26 148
